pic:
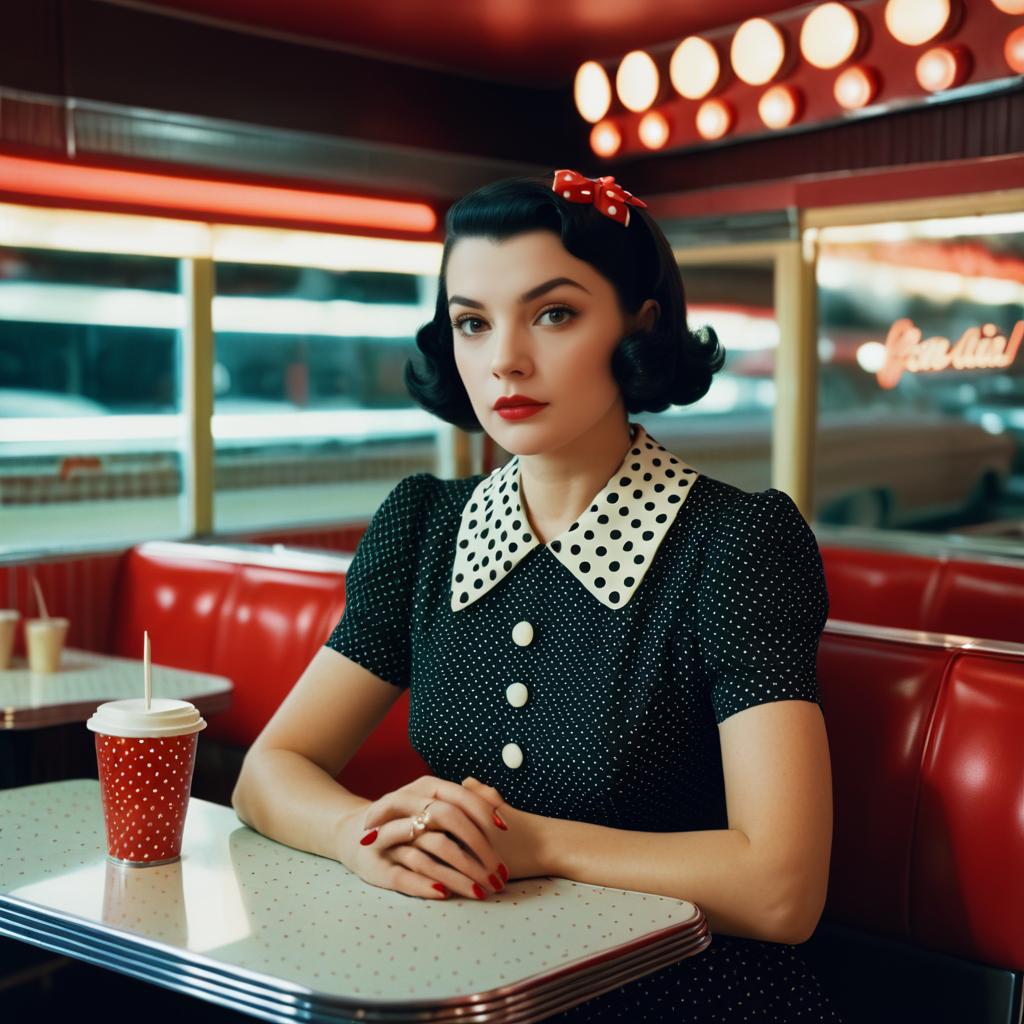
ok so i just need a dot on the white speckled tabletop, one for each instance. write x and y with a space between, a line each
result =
86 679
284 935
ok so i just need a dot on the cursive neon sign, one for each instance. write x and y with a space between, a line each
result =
907 351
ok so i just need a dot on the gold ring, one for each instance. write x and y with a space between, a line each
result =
420 822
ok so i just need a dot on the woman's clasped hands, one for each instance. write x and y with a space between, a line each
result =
432 837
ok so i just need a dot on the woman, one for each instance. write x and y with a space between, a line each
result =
611 656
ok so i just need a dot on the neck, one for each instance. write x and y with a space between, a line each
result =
557 486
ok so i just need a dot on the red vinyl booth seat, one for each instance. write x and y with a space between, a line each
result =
257 617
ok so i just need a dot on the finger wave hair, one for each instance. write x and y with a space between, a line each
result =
669 365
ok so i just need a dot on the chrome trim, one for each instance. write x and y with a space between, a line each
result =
237 987
271 556
944 546
78 128
923 638
732 228
12 718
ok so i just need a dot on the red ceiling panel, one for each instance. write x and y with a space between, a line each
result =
533 42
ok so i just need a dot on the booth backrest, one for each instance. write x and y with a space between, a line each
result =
966 593
928 782
256 616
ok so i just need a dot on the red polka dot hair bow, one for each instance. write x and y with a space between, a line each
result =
611 199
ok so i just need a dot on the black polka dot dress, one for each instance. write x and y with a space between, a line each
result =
585 678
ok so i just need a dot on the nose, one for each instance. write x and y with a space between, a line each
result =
510 351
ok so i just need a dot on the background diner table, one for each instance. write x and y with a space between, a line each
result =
272 932
42 715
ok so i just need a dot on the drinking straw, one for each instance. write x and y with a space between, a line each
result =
39 598
147 671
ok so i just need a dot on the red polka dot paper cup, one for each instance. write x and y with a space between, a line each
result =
145 759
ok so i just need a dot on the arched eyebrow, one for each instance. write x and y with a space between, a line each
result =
533 293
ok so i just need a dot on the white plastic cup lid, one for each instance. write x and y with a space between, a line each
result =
9 614
130 718
54 622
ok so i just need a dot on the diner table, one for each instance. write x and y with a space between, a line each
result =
282 935
40 713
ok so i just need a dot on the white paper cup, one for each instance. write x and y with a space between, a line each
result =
44 640
8 624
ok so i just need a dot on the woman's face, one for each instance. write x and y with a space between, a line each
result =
531 319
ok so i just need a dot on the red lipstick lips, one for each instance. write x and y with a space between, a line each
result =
517 407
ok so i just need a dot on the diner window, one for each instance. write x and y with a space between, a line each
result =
728 433
312 421
90 398
921 375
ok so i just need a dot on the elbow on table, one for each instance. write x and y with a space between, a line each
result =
797 916
238 798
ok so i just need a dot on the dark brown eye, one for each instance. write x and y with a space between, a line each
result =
566 314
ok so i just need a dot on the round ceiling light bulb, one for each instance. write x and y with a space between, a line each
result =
779 106
829 35
757 52
714 119
694 68
942 67
913 22
592 91
605 138
636 81
1013 50
1009 6
653 129
855 87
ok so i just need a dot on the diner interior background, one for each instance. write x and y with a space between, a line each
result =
311 426
307 370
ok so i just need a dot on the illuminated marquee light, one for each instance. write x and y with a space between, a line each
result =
605 138
856 87
694 68
715 119
1009 6
780 106
757 52
216 198
913 22
829 36
942 67
908 351
1013 50
592 91
636 81
653 129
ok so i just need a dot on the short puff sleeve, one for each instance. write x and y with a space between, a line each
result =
375 626
762 605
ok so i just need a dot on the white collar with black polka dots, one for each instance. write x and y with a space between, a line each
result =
608 548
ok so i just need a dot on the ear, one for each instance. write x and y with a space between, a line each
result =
646 317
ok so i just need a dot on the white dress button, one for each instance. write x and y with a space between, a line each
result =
522 634
517 695
512 755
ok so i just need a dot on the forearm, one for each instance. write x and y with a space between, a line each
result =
719 870
288 798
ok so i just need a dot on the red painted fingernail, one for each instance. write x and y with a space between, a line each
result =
495 884
368 838
441 889
503 871
496 817
478 892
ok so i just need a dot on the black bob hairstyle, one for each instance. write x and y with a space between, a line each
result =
670 365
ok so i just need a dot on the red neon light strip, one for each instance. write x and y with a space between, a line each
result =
262 202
